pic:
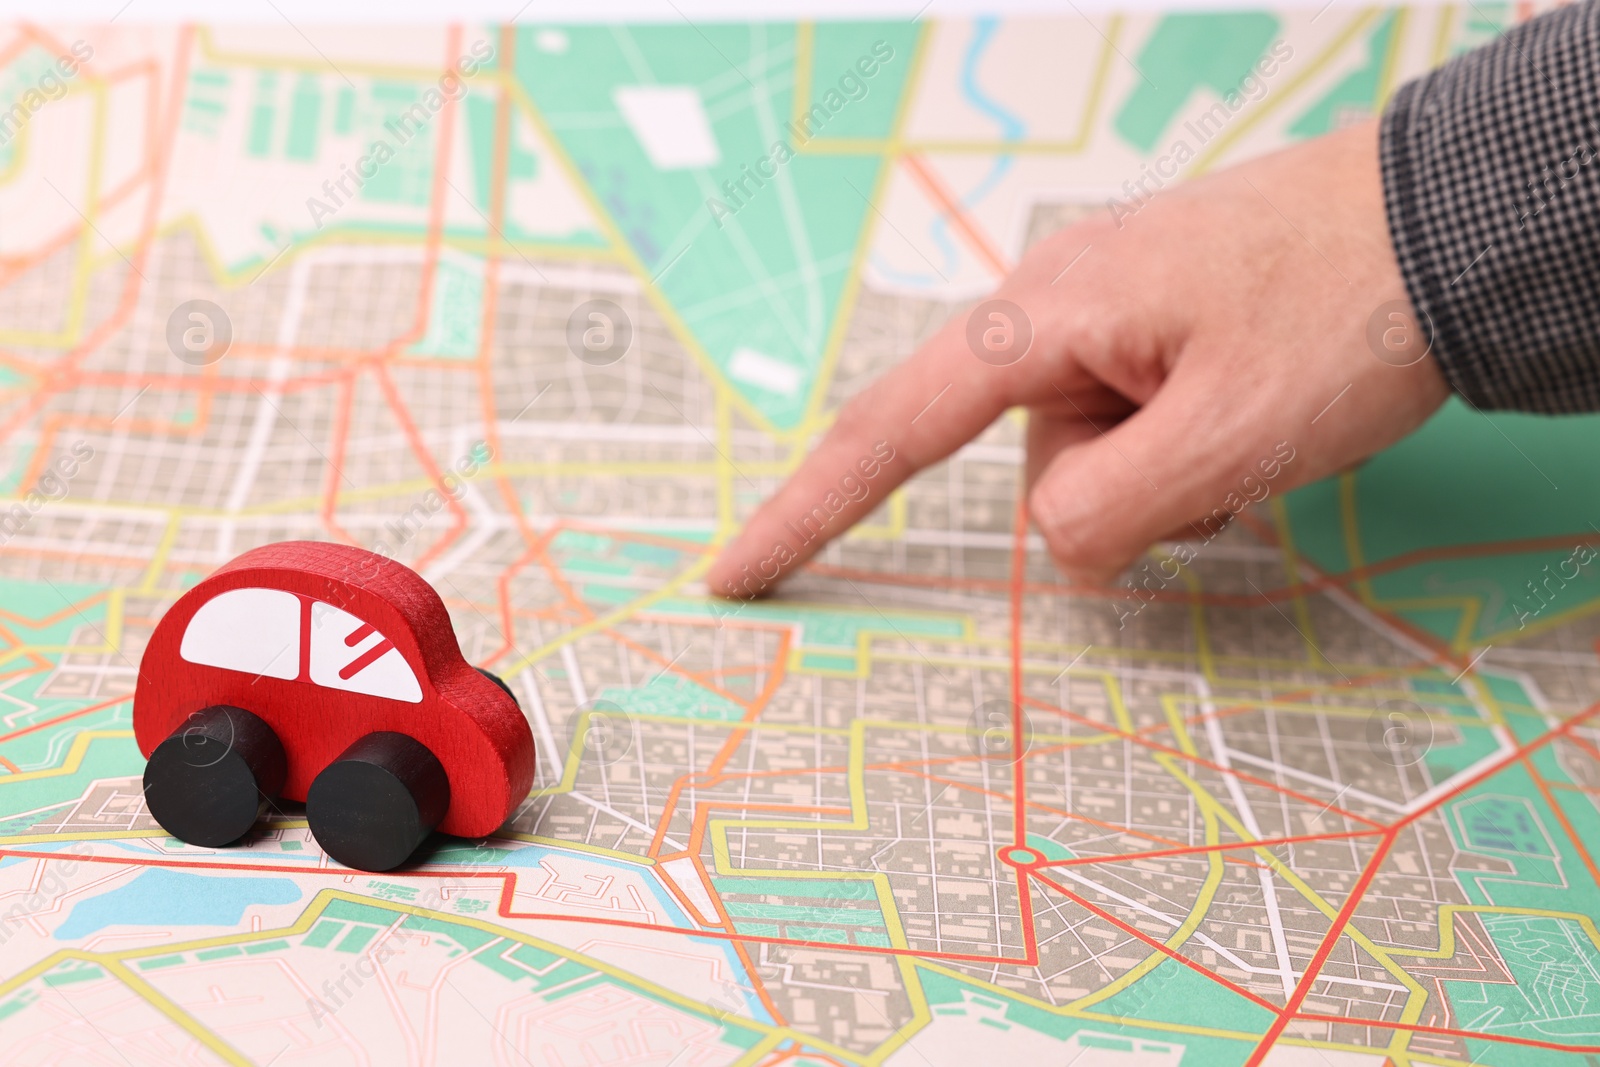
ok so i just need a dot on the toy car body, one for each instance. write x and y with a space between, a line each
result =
327 645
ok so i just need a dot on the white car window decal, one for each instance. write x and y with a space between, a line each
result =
252 630
349 654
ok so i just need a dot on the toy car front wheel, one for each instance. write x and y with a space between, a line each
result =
210 780
370 808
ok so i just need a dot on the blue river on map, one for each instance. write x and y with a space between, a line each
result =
162 897
1011 129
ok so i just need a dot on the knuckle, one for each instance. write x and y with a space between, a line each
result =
1076 542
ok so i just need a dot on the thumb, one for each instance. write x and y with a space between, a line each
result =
1187 459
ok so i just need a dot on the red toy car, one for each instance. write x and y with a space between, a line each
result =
328 674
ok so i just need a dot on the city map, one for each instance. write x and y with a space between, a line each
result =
544 311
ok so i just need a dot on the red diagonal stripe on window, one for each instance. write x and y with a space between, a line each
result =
363 661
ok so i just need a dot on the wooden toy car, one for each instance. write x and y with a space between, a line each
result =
328 674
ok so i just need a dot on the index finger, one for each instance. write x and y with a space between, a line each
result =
919 412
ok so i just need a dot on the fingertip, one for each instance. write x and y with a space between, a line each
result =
734 573
721 577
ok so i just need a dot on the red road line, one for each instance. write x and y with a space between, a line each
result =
508 883
1336 931
63 718
441 178
1499 765
1019 563
1382 1024
1561 817
429 467
509 880
1340 579
963 223
1244 776
1159 946
1196 850
341 435
62 378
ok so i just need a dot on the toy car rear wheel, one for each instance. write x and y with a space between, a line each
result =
370 808
214 775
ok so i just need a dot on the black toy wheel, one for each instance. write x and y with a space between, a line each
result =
370 808
497 680
213 776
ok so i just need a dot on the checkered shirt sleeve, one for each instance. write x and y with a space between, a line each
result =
1491 179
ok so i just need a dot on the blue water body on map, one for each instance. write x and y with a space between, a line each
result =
162 897
1011 129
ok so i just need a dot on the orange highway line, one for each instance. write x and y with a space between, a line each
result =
486 331
1195 850
730 745
1564 730
1159 946
53 617
508 620
1561 817
129 299
216 383
554 575
1243 776
335 475
1324 950
952 209
1586 746
1019 565
1336 931
1340 579
419 326
64 717
669 667
508 881
1065 814
441 181
1486 1035
13 267
740 732
420 449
